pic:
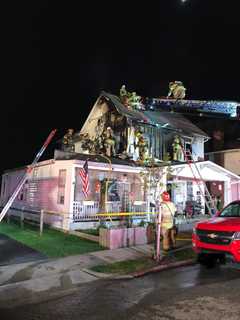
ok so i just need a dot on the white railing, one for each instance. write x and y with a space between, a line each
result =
113 206
139 206
85 210
88 210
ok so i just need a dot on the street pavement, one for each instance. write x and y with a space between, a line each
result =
190 293
12 252
33 281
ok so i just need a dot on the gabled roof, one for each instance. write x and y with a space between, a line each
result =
206 168
175 121
168 120
132 114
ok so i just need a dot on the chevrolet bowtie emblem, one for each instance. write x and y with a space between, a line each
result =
212 236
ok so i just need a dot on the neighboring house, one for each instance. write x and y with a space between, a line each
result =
118 142
230 160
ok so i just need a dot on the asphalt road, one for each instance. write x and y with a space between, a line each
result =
187 293
12 252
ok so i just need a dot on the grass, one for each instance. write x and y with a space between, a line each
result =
124 267
184 254
130 266
52 243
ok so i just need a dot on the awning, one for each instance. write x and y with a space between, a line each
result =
209 171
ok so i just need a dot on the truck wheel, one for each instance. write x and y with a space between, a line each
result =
207 260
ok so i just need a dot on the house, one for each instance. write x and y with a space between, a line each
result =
133 153
129 125
230 160
55 187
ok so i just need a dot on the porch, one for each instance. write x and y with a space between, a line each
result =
88 210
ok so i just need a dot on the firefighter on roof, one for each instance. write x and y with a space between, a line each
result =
176 90
67 141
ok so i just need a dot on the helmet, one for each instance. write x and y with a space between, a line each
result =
165 196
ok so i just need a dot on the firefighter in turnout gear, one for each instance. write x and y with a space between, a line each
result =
67 141
177 149
168 229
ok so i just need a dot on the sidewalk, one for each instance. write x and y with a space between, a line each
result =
30 282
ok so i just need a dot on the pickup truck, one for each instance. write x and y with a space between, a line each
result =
219 237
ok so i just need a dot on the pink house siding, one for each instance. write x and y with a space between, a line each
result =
235 188
41 189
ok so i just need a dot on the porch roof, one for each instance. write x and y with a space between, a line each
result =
62 155
209 171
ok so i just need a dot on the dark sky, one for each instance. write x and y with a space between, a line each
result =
58 56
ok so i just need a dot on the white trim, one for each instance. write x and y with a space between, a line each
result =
212 166
71 197
234 182
89 116
230 173
106 167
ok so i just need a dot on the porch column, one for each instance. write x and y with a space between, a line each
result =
227 192
68 217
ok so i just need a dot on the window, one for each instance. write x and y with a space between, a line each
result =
22 196
61 186
233 210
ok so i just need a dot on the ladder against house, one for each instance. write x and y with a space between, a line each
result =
210 204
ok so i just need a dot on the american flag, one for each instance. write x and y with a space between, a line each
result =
85 179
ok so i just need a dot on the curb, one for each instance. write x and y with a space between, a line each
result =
163 267
109 276
138 274
96 274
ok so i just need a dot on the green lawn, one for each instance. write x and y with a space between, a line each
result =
125 267
52 243
184 254
130 266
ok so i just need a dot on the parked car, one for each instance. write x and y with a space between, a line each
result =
219 237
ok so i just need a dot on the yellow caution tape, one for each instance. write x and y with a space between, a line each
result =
121 214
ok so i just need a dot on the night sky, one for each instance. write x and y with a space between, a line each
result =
58 56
